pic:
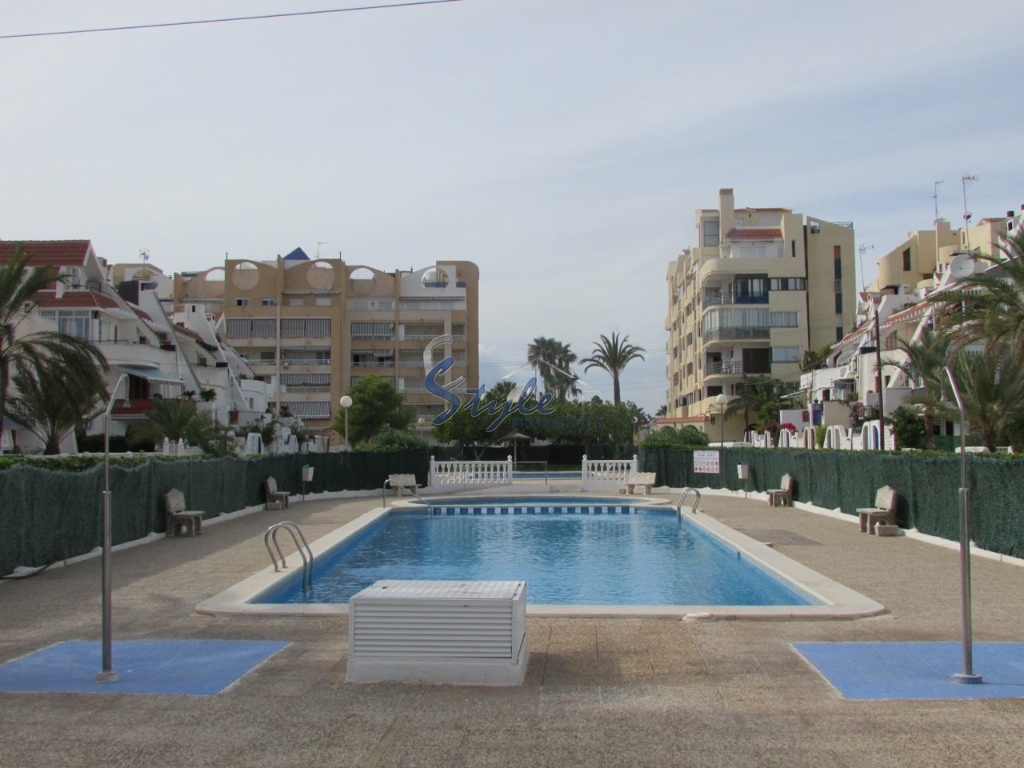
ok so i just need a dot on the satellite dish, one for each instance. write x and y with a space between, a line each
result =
961 266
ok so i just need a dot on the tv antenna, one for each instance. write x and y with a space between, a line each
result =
144 255
966 179
319 243
861 249
935 197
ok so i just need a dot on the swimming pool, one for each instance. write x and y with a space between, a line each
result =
591 556
576 554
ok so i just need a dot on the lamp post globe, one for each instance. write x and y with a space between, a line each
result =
722 401
346 403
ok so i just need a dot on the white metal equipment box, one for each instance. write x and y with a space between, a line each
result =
458 632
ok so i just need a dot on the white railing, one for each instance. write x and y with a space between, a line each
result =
606 474
836 438
451 473
179 448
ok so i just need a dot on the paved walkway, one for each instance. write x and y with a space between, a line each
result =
599 692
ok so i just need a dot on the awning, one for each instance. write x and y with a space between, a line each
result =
151 374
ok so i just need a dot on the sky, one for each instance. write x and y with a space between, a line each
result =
561 145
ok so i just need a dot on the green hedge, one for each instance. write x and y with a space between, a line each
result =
928 486
47 515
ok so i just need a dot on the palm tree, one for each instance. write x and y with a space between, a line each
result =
613 355
41 353
924 365
51 418
990 387
178 420
992 301
761 397
553 360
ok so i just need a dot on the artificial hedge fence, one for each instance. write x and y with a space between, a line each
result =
47 516
928 485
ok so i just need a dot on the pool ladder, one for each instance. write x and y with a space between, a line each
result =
270 537
384 497
682 498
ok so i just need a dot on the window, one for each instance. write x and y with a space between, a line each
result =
251 328
751 288
374 330
788 284
710 233
268 302
839 333
241 302
839 303
837 263
906 260
786 354
305 327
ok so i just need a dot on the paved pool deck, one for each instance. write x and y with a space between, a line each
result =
598 692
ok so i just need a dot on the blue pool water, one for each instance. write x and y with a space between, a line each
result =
578 553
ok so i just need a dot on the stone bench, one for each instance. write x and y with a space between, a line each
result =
643 479
398 482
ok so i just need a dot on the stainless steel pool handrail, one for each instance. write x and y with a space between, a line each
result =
303 549
384 496
682 497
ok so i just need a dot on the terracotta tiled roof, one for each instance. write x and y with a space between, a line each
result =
59 253
917 310
754 233
75 299
144 315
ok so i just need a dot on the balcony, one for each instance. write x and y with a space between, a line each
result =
717 299
738 334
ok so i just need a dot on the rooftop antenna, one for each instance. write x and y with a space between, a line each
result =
861 250
319 243
935 197
966 179
144 255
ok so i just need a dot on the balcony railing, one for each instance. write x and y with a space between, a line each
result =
734 368
735 334
717 299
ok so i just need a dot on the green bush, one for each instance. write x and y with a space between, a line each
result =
687 437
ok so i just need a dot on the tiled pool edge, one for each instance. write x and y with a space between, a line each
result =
838 601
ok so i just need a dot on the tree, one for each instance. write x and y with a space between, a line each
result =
553 362
391 439
909 427
813 359
990 386
375 404
469 431
761 398
662 411
51 418
924 365
179 420
613 355
991 302
59 358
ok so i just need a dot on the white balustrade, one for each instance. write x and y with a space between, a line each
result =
458 473
607 474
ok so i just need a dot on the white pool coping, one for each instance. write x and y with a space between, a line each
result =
836 600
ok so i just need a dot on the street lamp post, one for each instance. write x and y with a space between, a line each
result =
346 403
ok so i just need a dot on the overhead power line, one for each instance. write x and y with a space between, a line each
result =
197 22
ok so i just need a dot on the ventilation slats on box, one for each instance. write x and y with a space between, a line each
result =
439 631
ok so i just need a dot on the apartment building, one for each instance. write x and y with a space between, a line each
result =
313 326
761 287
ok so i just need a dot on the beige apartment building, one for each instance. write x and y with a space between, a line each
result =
314 326
924 256
761 287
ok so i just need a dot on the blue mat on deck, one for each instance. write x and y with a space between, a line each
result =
172 667
917 670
